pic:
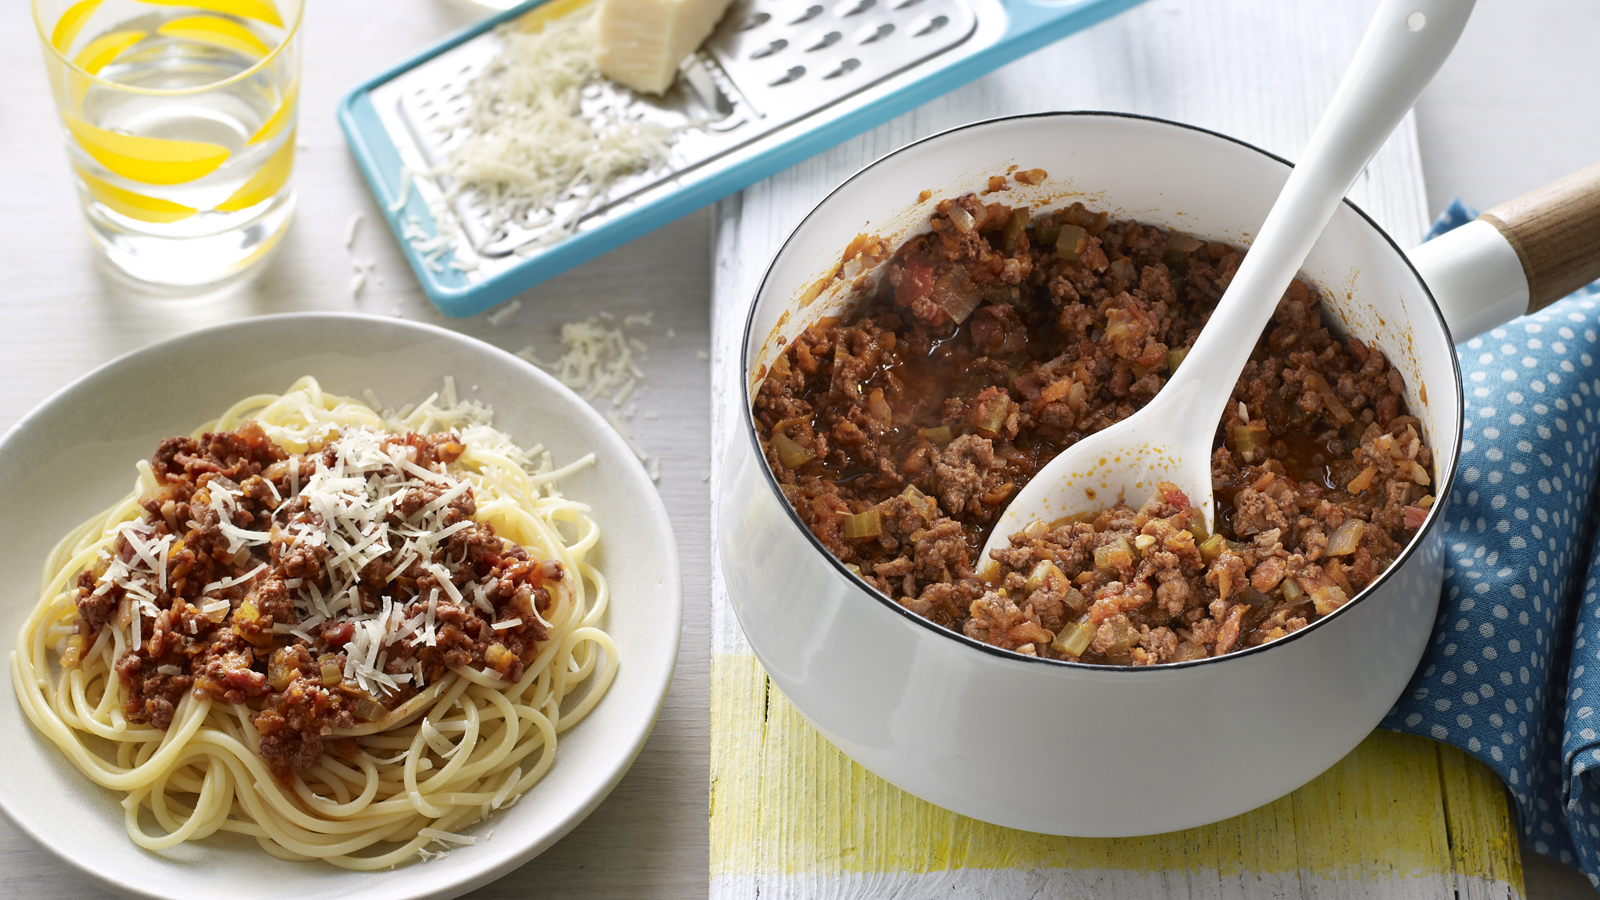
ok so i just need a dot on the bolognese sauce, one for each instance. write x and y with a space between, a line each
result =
324 589
1001 337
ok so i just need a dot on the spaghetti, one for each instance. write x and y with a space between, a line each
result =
346 633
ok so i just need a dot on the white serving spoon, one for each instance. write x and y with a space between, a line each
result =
1170 438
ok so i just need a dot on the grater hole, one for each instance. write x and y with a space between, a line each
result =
827 40
770 49
874 33
811 13
853 7
933 24
845 67
904 4
795 73
756 21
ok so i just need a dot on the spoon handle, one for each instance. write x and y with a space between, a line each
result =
1404 46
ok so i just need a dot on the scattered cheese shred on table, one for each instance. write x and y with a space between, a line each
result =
600 358
597 358
530 145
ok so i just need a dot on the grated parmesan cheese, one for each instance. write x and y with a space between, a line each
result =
597 358
529 144
446 837
499 316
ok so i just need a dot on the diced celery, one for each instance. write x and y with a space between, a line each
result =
1073 639
1070 242
368 709
861 525
281 670
1250 439
1042 572
1116 555
1175 358
1014 227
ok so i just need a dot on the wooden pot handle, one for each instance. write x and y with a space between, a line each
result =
1556 233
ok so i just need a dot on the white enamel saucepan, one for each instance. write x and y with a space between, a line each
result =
1067 748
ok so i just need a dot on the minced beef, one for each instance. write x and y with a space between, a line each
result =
997 340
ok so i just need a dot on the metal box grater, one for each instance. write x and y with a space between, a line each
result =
778 81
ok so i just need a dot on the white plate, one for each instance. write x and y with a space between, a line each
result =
75 454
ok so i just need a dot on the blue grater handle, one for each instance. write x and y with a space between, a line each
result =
1030 25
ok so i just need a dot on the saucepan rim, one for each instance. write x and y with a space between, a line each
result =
1435 513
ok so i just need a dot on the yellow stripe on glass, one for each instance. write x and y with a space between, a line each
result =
71 22
787 805
105 48
134 206
260 10
145 159
266 182
279 118
218 32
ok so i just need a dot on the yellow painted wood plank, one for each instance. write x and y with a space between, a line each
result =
738 703
1483 838
786 803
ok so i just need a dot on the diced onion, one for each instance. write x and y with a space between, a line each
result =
926 506
1292 592
1184 243
1419 475
1330 400
1363 481
960 218
1346 538
878 406
1175 357
990 418
959 302
939 435
792 455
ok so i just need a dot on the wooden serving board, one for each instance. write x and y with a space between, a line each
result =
792 817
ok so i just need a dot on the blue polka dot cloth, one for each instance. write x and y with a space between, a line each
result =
1512 676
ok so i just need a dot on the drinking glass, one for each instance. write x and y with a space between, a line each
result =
179 121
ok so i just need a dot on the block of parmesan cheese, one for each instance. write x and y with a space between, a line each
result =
643 41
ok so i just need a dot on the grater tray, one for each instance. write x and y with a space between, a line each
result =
777 81
768 64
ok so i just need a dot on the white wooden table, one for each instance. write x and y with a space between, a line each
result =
1513 109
